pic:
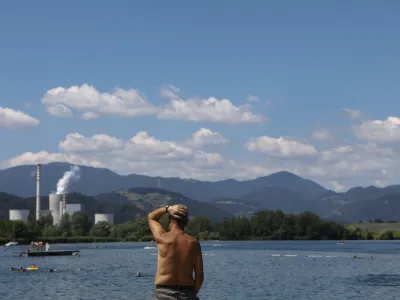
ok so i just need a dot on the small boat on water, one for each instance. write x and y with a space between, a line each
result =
49 253
152 246
11 244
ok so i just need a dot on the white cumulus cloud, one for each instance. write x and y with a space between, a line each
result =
210 109
60 110
13 119
322 134
141 154
90 115
75 142
370 159
86 98
379 130
283 147
64 101
204 137
337 187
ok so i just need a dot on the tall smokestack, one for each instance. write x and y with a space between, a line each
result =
37 192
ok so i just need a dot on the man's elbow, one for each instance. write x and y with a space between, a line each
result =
200 279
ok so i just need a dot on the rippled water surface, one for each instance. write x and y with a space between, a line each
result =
233 270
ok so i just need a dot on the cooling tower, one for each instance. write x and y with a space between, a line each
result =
61 210
19 215
109 218
54 207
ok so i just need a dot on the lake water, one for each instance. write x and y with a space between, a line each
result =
235 270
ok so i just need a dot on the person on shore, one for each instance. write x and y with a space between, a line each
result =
179 254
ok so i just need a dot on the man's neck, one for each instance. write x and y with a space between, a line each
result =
175 227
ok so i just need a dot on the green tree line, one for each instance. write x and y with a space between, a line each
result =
263 225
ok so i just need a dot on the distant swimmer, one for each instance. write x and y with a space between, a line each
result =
52 270
179 254
137 274
12 269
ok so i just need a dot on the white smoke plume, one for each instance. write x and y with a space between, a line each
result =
72 174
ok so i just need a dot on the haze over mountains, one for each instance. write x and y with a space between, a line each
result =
282 190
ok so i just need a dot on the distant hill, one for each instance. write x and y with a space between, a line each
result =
283 190
147 199
361 203
304 188
125 205
277 198
236 207
21 181
8 202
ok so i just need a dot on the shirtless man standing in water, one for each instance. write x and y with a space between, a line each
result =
179 254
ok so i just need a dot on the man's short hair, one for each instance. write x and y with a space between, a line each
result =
183 220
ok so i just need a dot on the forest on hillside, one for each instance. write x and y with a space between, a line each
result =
263 225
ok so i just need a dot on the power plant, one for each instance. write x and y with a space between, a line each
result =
37 192
109 218
57 202
58 207
72 208
19 215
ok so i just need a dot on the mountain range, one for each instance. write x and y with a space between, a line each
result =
279 191
126 205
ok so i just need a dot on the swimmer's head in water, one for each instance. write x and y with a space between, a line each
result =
182 221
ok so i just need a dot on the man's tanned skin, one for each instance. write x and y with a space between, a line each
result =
179 254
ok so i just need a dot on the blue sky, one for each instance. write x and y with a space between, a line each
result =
305 61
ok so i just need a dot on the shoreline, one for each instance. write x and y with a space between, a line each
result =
108 241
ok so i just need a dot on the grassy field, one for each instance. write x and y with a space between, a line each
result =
378 227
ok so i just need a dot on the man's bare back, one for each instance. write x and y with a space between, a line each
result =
179 254
177 257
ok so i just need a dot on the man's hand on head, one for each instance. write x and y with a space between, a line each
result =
177 211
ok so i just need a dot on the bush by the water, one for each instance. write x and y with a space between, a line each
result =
263 225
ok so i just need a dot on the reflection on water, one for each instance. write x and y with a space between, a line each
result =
378 280
234 271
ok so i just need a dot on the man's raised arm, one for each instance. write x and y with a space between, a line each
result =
156 228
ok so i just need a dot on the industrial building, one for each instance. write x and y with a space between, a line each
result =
73 208
19 215
55 202
57 207
109 218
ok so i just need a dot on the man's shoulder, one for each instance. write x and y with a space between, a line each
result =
191 238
